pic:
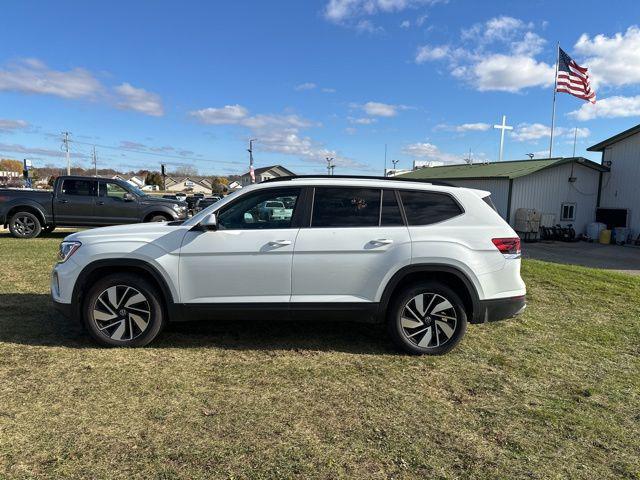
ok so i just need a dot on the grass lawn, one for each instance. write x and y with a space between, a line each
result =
553 394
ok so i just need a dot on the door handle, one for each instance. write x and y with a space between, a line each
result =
383 241
280 243
99 203
63 201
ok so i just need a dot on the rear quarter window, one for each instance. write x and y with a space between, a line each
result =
426 208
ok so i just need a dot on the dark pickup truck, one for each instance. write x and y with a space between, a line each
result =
82 201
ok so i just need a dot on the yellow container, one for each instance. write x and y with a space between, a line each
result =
605 237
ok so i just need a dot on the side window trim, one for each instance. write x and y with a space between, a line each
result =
380 209
401 207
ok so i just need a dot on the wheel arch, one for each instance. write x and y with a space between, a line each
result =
156 211
451 276
101 268
28 206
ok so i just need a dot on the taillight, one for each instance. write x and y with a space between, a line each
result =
509 247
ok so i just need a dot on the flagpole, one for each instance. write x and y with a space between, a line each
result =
553 109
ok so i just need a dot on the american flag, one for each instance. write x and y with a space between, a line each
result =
252 174
573 79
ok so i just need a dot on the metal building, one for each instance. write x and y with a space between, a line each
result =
620 187
567 188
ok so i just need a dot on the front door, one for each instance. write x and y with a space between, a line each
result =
73 203
357 239
248 258
111 206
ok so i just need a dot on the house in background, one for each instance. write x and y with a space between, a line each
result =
188 185
265 173
233 186
567 188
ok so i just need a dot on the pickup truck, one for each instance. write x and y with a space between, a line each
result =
82 201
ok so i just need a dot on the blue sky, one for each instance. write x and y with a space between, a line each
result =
188 83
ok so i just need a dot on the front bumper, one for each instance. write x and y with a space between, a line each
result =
500 309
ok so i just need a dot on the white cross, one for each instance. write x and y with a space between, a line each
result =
502 127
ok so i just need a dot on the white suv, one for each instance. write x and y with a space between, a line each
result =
424 258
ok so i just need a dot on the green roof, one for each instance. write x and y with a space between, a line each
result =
508 170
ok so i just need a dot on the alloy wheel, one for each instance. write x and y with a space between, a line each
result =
24 225
121 313
428 320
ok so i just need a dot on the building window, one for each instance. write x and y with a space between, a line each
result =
568 212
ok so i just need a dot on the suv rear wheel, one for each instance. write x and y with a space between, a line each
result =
123 310
427 318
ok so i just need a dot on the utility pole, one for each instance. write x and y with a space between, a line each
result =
332 167
95 162
252 173
65 140
502 128
575 137
395 162
329 165
385 161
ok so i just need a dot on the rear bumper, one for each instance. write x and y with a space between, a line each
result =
500 309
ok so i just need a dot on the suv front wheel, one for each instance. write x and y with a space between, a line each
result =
123 310
427 318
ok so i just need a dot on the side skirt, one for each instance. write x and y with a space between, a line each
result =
366 312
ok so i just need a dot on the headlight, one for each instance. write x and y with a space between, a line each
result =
67 249
179 208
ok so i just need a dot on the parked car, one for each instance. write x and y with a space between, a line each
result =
82 201
206 202
425 259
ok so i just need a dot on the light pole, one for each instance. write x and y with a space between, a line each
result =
329 165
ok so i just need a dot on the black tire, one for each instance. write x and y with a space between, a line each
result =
158 217
421 332
48 228
119 327
25 225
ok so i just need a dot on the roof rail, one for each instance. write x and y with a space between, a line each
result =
359 177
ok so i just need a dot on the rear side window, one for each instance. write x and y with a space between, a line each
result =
77 187
489 202
346 207
390 216
425 208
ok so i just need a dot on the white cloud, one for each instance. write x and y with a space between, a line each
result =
502 28
339 11
275 133
426 53
405 24
611 107
531 132
429 151
612 60
362 120
509 73
496 55
33 76
139 100
227 115
9 125
379 109
305 86
328 90
39 151
465 127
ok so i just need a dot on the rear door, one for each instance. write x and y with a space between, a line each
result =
111 206
356 240
74 202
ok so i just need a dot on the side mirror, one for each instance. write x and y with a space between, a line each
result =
210 222
128 197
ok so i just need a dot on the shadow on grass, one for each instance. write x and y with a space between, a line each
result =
30 319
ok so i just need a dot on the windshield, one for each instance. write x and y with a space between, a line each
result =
215 206
136 190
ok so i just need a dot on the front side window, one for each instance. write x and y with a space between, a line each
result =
261 210
346 207
112 190
425 208
77 187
